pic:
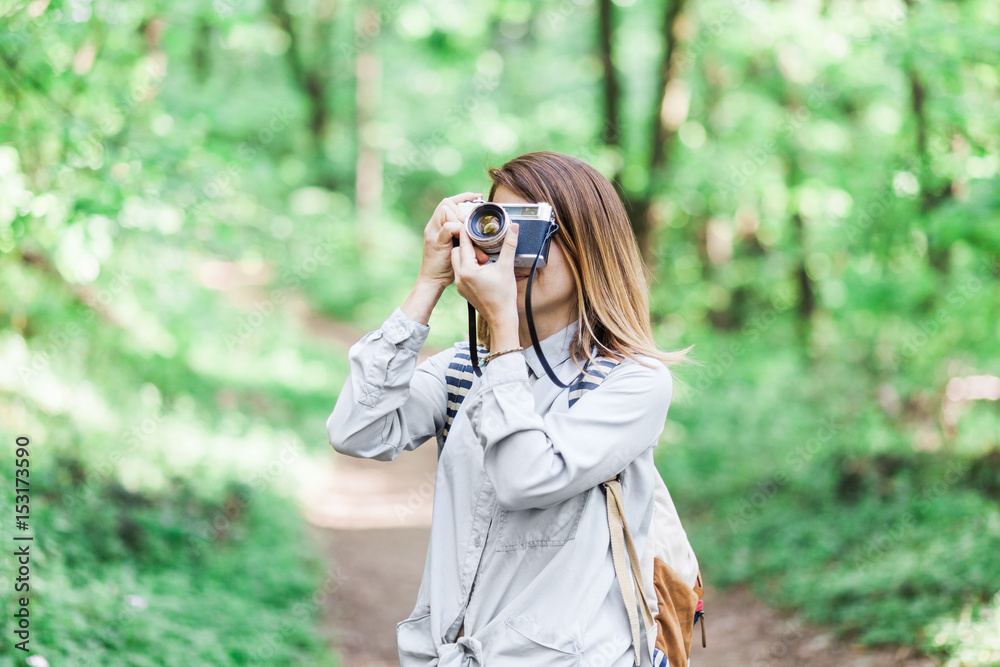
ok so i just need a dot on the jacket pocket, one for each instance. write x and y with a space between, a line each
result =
535 645
550 527
414 641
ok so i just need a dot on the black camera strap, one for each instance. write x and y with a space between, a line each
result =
473 342
553 228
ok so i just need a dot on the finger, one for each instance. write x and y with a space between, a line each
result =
456 264
441 215
466 248
509 246
465 196
481 256
459 199
449 231
450 210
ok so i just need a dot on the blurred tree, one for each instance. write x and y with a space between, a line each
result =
645 220
310 63
368 189
611 130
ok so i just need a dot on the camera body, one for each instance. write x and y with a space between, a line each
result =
488 222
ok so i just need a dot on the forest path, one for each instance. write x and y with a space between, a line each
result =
372 520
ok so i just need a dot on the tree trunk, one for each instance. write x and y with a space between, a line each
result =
201 50
611 132
311 78
368 194
937 252
644 221
661 134
807 297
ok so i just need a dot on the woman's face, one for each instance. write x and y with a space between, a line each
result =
553 293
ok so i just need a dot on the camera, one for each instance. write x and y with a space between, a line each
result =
488 222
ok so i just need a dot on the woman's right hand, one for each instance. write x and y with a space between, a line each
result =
436 271
444 225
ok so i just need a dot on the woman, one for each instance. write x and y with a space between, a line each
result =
519 569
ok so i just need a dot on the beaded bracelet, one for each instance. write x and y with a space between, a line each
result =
493 355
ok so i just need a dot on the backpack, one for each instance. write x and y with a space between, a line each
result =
677 586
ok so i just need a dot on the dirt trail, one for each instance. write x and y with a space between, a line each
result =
372 519
383 561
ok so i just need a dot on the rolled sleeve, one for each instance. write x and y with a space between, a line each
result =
388 403
504 370
404 332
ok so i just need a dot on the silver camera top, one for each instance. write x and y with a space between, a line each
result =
487 224
517 212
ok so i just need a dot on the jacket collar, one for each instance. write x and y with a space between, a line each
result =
556 350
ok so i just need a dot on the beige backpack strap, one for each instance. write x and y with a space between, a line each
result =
621 543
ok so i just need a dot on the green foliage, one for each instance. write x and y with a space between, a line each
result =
808 488
160 482
140 577
184 186
130 593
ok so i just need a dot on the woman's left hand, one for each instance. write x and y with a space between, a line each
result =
490 288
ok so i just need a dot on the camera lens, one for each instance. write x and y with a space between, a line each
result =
487 225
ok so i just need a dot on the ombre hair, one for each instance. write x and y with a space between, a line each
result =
601 250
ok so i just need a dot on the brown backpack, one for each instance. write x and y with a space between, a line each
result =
676 577
679 605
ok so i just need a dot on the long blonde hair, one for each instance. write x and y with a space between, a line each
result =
597 240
